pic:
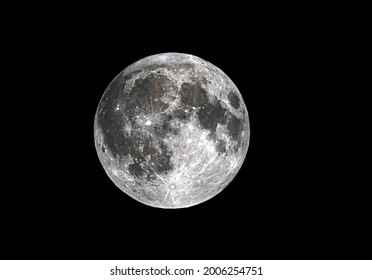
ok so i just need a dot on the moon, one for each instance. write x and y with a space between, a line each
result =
171 130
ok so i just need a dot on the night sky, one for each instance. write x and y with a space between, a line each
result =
292 199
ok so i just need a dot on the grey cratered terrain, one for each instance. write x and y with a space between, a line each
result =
171 130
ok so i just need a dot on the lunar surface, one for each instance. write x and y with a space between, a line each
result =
171 130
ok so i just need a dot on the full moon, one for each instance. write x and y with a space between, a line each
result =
171 130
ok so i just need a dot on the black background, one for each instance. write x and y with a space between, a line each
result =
291 198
